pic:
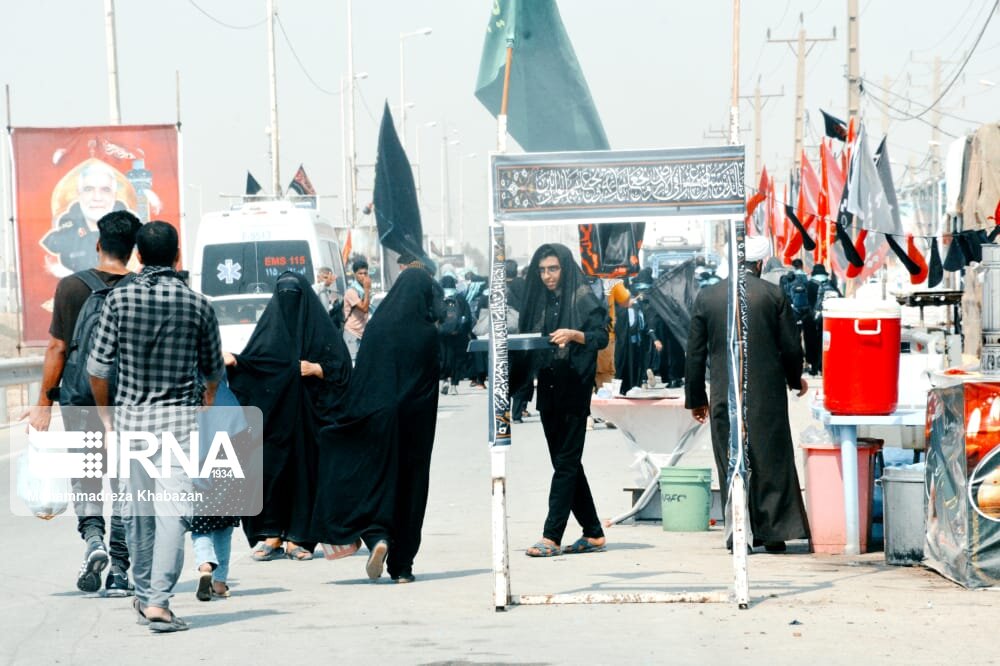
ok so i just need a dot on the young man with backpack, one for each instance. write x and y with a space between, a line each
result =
455 329
76 305
821 287
795 284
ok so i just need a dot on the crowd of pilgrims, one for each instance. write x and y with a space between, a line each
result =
347 448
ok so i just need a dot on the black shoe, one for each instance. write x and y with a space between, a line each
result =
517 420
444 390
94 562
775 547
403 578
117 583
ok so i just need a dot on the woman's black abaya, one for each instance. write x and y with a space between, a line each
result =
374 465
267 375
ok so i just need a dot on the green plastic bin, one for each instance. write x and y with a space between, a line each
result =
685 498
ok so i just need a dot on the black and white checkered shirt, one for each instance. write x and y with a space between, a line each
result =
163 334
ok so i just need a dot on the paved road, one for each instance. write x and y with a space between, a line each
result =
806 609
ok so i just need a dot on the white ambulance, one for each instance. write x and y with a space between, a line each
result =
239 254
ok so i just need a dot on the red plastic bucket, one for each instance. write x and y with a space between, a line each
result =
860 356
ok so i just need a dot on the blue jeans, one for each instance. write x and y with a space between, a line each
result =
214 548
353 344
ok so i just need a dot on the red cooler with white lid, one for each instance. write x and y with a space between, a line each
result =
860 356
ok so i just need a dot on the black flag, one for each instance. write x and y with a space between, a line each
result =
834 127
397 213
253 187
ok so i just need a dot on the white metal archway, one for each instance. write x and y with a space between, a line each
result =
615 186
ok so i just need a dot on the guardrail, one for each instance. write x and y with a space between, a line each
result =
16 372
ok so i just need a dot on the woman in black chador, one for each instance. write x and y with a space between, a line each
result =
295 369
375 459
559 303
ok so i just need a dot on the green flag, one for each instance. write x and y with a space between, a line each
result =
549 106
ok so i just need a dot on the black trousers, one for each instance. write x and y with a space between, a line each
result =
90 521
412 489
569 491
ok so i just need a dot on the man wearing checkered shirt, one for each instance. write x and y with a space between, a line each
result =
165 339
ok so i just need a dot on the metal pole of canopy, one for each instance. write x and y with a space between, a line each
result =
499 390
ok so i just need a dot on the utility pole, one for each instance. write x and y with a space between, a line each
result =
804 45
853 62
353 153
759 101
734 101
275 172
111 38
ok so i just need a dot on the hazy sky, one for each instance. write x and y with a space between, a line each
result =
659 72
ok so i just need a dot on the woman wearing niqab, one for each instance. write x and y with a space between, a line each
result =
295 369
374 467
559 304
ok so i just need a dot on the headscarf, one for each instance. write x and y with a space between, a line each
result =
294 327
576 299
398 356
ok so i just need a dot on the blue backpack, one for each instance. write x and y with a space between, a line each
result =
796 289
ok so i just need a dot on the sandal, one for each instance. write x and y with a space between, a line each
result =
334 552
583 545
220 595
161 626
376 561
542 549
204 592
299 554
265 553
141 618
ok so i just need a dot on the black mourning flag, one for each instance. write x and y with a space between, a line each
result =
834 127
672 296
397 213
253 187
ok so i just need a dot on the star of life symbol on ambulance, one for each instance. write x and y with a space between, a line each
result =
80 454
229 271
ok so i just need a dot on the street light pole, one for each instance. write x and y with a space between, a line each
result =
432 123
353 156
403 36
461 203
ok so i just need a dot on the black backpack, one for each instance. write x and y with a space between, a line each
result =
826 290
74 389
453 321
796 289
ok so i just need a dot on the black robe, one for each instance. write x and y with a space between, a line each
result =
293 328
374 463
777 512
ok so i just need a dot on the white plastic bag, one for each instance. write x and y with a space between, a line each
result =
45 497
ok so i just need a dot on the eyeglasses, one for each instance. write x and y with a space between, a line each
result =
542 270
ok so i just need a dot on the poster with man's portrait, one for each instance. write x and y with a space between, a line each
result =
65 180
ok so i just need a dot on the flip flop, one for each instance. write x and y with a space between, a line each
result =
335 552
543 549
140 619
220 595
167 626
266 553
376 561
583 545
300 554
204 592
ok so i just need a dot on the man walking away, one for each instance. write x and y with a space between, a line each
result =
163 336
114 247
777 513
356 302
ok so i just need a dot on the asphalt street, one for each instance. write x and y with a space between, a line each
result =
805 608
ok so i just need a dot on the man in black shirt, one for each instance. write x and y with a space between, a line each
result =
116 240
560 305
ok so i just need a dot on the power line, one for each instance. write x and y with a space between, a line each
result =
299 61
961 67
910 101
228 25
948 34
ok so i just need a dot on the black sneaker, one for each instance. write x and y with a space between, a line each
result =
117 584
94 562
